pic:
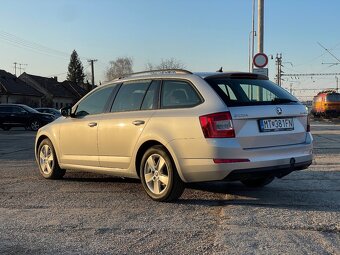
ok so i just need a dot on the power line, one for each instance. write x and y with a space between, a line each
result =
35 47
329 52
309 74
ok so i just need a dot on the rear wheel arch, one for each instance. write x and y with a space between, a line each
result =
148 144
140 153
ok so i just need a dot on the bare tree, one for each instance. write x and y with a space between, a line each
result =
149 66
119 67
169 63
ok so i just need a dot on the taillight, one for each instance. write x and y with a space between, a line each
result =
308 124
217 125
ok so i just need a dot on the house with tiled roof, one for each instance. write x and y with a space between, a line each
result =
56 94
75 89
15 90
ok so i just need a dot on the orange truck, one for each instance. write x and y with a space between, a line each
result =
326 104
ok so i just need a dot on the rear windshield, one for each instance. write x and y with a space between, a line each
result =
242 92
29 109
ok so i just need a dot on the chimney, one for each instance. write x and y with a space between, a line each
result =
55 77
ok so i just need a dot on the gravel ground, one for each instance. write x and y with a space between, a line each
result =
95 214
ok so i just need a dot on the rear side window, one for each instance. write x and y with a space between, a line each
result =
95 103
239 92
177 94
5 109
130 96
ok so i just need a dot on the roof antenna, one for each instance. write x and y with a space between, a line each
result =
220 70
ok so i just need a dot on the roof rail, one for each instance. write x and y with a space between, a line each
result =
179 71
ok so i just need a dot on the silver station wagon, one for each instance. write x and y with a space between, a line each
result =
172 127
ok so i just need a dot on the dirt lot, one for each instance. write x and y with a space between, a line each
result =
95 214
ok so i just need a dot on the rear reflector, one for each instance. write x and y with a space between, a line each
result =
217 125
230 160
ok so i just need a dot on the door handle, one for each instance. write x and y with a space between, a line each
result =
138 122
92 124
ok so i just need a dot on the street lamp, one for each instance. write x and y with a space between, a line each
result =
251 49
253 33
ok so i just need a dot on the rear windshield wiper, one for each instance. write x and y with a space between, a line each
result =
277 100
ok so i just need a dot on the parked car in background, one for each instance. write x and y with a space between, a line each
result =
172 127
19 115
56 113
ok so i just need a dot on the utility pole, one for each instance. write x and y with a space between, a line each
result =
21 68
92 69
278 62
260 21
337 84
15 68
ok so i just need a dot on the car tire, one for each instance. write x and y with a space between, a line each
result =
48 162
159 175
34 125
257 183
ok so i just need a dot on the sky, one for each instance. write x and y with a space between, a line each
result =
203 35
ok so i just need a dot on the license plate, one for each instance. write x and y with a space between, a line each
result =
272 125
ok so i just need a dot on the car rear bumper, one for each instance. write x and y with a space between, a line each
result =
277 160
278 171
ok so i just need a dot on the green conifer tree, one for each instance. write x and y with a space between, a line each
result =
75 69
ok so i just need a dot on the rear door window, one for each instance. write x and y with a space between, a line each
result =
178 94
239 92
130 96
151 97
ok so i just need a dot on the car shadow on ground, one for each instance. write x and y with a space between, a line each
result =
212 194
271 196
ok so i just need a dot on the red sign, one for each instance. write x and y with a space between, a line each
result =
260 60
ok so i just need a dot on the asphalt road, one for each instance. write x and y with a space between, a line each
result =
96 214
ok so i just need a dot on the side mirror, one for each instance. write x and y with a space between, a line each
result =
66 111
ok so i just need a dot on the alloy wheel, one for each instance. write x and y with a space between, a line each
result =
35 125
46 159
156 174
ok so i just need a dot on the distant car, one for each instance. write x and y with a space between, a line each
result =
171 127
52 111
19 115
